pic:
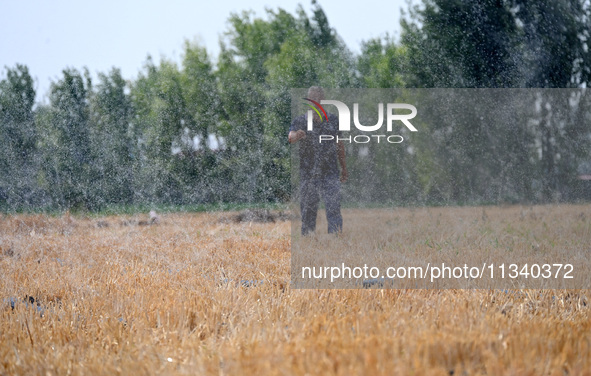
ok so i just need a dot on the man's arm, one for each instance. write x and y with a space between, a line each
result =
342 162
295 136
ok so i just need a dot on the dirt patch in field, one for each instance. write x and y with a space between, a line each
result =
257 215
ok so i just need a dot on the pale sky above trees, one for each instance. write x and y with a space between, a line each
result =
50 36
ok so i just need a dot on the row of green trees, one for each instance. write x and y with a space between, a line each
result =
508 44
118 142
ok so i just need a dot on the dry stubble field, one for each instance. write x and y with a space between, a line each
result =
114 296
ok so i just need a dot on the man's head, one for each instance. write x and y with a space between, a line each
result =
316 93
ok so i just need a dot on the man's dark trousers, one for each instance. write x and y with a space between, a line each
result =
310 191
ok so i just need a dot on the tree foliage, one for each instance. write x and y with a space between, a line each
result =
206 131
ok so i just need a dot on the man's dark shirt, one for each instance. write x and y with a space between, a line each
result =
318 159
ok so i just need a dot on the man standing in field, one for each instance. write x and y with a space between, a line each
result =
319 174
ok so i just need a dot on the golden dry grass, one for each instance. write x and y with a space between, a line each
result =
455 236
120 298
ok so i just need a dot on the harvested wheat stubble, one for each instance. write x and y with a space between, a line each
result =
256 215
151 300
484 240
